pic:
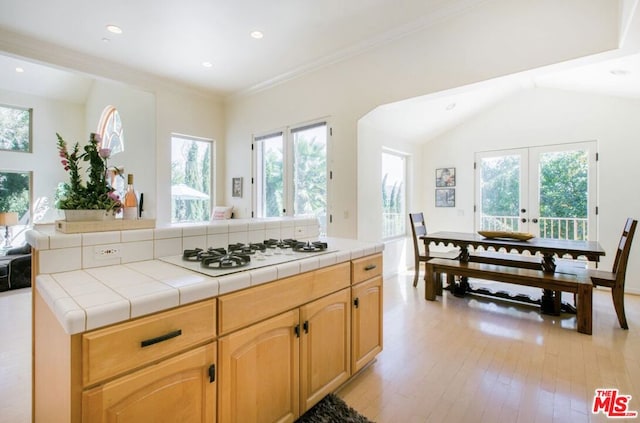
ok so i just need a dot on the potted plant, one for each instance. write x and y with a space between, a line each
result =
94 200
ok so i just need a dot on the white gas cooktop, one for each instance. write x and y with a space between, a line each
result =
257 260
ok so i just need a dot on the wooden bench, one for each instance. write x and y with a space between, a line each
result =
572 281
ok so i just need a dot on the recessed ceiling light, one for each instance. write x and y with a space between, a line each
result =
619 72
114 29
257 35
105 40
451 106
19 69
207 64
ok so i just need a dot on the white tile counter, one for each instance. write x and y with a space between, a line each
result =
88 296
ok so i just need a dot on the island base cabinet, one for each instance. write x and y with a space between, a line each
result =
275 370
259 372
366 322
179 389
325 347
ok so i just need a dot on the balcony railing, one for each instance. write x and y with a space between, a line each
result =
550 227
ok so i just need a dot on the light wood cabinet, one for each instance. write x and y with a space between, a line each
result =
325 353
366 319
275 370
259 372
157 368
283 346
179 389
145 340
366 322
240 309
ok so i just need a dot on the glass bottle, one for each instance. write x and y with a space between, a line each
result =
130 203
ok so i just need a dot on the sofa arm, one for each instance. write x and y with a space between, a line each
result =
20 272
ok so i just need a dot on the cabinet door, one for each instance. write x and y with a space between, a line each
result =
259 372
325 348
366 323
179 389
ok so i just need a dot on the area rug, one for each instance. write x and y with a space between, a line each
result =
331 409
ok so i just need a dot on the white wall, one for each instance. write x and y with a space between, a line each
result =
497 38
149 119
49 116
137 110
541 117
188 113
398 253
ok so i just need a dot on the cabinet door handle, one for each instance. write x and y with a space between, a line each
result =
356 302
370 267
161 338
212 373
296 330
305 326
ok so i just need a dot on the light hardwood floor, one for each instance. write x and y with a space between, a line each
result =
453 360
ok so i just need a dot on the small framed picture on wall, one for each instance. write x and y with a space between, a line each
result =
445 197
446 177
236 187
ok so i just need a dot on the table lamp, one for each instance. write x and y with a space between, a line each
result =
8 219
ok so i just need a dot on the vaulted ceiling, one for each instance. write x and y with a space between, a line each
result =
171 41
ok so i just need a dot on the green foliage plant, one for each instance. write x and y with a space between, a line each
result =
96 194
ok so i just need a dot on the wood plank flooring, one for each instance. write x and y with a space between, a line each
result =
480 360
453 360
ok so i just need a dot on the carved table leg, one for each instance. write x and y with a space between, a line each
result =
550 302
460 289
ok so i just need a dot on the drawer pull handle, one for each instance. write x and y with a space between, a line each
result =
370 267
161 338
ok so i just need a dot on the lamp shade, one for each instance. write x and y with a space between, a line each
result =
8 218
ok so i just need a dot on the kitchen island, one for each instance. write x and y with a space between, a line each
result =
145 337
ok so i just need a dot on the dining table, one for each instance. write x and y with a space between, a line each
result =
548 250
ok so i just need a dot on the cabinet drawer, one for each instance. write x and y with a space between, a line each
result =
117 349
240 309
366 268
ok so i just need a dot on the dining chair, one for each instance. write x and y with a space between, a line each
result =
615 279
418 229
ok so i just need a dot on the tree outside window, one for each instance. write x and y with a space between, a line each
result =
190 179
291 173
15 128
393 194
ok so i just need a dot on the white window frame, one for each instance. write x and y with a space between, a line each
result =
405 182
212 171
287 134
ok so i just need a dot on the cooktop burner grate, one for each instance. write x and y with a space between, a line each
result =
310 247
239 257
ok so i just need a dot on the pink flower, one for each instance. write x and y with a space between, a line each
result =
105 153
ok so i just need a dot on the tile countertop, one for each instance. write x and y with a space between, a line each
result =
91 298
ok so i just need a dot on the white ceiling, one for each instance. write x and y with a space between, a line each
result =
422 118
170 40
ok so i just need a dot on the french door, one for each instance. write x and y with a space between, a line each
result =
548 191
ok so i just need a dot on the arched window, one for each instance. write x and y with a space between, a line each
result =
110 128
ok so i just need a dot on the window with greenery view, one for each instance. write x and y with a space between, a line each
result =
546 190
291 173
393 194
15 128
15 196
191 176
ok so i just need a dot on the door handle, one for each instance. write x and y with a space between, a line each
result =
523 210
534 220
523 220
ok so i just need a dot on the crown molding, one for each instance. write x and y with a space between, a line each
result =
450 10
